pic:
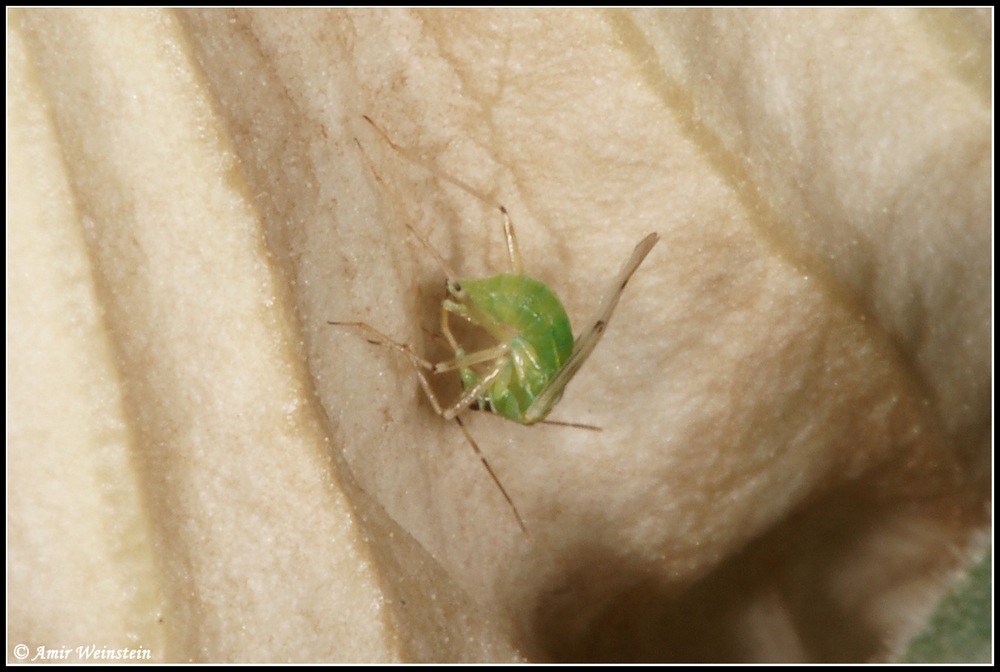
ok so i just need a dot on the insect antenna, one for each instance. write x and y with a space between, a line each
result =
430 167
508 228
450 274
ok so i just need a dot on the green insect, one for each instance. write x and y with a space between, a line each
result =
523 374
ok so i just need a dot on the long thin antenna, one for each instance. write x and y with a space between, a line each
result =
437 172
508 229
449 273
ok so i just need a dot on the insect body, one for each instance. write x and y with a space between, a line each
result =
528 319
522 375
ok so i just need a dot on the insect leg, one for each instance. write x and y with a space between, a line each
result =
473 393
419 363
466 360
446 329
489 469
463 360
472 313
452 413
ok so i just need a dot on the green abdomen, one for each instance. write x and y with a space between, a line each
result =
541 344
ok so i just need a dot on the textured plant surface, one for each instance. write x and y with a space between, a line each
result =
795 462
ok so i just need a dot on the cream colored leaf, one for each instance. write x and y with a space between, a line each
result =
794 391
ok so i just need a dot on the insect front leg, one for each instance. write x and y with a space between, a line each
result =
419 363
472 395
446 328
473 314
463 362
462 359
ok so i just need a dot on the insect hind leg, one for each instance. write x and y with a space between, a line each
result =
496 480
